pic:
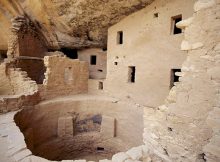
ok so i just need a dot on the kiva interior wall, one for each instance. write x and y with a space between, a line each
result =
128 128
151 47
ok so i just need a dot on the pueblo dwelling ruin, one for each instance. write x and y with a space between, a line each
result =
110 80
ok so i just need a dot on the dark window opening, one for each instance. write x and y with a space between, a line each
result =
104 49
120 37
174 77
100 85
116 63
93 60
131 74
156 15
100 70
70 53
3 54
51 50
175 20
100 149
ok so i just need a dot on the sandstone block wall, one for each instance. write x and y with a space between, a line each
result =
25 39
33 66
64 77
185 128
16 89
29 44
5 87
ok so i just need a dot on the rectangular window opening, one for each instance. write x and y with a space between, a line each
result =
100 149
131 74
174 21
93 60
101 85
120 37
174 78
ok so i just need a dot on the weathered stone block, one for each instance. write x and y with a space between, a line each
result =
120 157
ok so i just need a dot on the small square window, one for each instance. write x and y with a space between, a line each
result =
115 63
156 15
174 21
93 60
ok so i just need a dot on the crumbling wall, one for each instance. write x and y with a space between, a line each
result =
27 47
25 39
33 66
15 82
64 77
5 87
16 89
187 128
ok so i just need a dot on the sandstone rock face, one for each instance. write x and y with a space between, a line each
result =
69 23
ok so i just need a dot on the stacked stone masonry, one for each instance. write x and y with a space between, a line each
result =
16 89
64 76
186 128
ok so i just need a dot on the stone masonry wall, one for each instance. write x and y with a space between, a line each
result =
64 77
25 39
16 89
187 127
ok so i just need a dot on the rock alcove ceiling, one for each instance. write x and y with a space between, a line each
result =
69 23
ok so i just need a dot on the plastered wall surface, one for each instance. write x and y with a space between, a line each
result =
97 71
149 46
